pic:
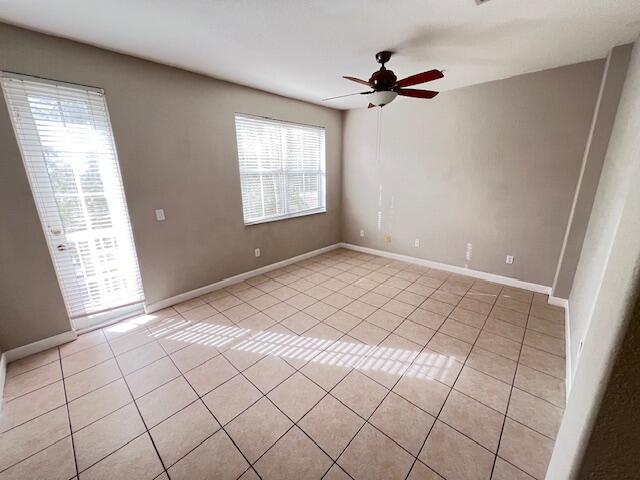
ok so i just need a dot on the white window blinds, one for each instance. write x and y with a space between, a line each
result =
282 168
68 150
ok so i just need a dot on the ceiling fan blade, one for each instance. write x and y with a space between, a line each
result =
414 92
420 78
357 80
347 95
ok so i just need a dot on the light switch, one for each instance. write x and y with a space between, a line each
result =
160 215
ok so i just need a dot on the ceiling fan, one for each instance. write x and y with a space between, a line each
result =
386 86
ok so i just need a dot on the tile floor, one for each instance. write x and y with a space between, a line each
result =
346 365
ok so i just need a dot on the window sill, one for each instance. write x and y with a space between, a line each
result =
287 217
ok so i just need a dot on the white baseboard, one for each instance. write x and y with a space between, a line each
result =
167 302
490 277
567 352
3 376
39 346
558 302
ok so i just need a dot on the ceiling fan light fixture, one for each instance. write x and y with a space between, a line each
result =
382 98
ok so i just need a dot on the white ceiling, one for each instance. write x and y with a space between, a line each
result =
301 48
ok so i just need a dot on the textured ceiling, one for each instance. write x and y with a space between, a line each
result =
300 48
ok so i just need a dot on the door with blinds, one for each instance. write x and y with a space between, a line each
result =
69 154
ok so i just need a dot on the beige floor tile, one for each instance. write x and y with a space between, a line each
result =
257 322
500 345
437 366
450 347
368 333
97 404
342 321
435 306
240 312
543 361
446 297
505 471
411 298
472 418
336 473
84 341
385 319
268 373
547 327
257 428
475 306
326 370
225 302
548 312
248 294
33 436
414 332
53 463
320 310
293 457
105 436
535 413
359 393
321 335
352 291
485 389
374 299
423 391
245 354
164 401
217 458
372 455
338 300
193 355
32 380
32 361
319 292
280 311
152 376
31 405
510 316
504 329
455 456
301 300
513 304
231 398
331 425
209 375
398 308
283 293
128 342
460 331
188 305
483 297
91 379
541 385
545 343
421 472
360 309
182 432
299 322
388 361
472 319
403 422
526 449
492 364
296 396
427 319
137 459
250 474
140 357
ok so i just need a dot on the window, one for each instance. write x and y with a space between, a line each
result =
282 169
68 150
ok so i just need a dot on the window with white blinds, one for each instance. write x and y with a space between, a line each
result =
68 150
282 168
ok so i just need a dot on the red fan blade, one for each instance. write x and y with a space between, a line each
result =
357 80
414 92
420 78
371 105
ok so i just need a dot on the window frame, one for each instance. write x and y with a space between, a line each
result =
322 172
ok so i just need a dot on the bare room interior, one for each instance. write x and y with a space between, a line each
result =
320 240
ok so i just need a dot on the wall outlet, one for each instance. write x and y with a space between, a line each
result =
160 215
257 252
387 238
509 259
416 243
580 347
468 251
362 233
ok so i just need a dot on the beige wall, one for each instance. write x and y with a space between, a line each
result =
176 143
596 149
495 165
604 292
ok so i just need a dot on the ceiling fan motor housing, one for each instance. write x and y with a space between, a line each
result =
383 79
